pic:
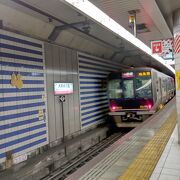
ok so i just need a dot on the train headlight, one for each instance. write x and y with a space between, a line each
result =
148 106
113 108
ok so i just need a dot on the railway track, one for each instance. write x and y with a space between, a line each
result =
72 165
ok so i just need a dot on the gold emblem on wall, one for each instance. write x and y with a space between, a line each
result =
41 114
16 80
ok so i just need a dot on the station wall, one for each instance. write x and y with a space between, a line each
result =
31 115
62 66
23 118
93 74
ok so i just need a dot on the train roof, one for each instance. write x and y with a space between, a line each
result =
139 69
136 69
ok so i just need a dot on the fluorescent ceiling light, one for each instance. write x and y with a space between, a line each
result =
99 16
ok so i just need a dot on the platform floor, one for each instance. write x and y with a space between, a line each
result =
168 167
123 159
113 163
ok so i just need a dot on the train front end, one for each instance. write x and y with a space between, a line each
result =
130 95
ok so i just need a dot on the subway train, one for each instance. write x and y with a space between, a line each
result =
137 93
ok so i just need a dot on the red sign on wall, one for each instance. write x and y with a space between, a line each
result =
156 47
177 43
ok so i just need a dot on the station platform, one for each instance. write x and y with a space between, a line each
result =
149 151
168 166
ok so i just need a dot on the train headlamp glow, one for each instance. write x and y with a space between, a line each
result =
113 108
103 19
148 106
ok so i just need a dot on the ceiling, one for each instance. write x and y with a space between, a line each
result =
56 22
167 8
119 11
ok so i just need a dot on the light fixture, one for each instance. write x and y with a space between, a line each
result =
100 17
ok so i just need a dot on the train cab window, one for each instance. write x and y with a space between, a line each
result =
128 89
114 89
143 87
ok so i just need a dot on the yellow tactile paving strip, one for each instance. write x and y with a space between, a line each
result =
142 167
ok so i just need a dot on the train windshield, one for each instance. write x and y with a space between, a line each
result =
120 89
128 88
114 89
136 87
143 87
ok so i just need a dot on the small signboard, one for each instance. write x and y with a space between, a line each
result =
156 47
144 73
62 98
164 48
178 80
127 75
177 43
167 49
63 88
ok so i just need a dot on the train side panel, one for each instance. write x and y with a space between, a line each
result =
156 89
163 88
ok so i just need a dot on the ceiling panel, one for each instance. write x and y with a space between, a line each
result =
118 10
57 9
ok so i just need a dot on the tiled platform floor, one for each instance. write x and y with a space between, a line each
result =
168 167
111 163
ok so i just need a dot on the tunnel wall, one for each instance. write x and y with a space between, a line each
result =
93 74
23 118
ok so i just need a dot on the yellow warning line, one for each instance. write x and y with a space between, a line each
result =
142 167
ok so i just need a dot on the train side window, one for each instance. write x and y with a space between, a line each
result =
143 87
157 88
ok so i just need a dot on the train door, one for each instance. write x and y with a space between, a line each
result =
154 86
167 86
160 93
164 90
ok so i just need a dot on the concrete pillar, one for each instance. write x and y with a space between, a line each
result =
176 30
